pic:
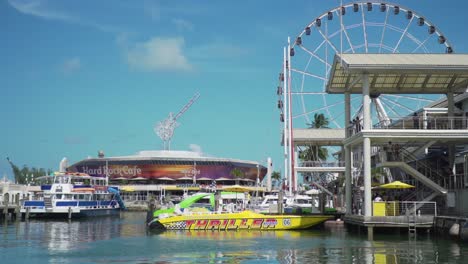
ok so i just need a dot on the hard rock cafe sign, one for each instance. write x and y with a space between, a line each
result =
191 172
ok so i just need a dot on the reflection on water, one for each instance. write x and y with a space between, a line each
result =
124 240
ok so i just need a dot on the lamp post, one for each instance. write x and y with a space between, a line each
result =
258 180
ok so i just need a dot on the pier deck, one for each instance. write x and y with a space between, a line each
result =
401 221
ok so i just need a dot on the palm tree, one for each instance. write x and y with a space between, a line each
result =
237 174
320 121
276 176
316 153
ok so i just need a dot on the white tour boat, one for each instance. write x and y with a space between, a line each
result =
74 194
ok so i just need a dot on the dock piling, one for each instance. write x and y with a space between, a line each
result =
6 199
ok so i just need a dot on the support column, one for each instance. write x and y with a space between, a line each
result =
347 113
348 190
366 146
296 158
370 233
451 146
290 136
347 151
366 101
367 177
285 121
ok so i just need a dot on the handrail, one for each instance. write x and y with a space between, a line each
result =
415 122
430 122
408 157
313 163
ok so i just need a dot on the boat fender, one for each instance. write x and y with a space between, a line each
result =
454 230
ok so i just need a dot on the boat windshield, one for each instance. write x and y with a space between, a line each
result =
303 201
62 179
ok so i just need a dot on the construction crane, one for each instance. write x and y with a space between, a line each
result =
165 129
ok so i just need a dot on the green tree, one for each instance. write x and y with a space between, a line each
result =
25 174
276 176
316 153
237 174
320 121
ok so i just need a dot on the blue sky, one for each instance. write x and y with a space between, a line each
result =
81 76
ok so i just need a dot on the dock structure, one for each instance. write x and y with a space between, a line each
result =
399 146
368 74
10 198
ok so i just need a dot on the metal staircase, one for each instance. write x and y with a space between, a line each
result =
48 202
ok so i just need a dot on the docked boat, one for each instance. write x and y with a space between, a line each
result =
294 203
74 194
184 216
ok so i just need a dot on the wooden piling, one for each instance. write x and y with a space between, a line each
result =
6 198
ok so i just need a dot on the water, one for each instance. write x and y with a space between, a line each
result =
124 240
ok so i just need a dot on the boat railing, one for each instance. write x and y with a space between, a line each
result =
404 208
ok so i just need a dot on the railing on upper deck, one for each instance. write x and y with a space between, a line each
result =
415 122
311 163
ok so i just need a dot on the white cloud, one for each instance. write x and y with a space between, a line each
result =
43 9
159 54
195 148
71 65
218 50
182 25
39 8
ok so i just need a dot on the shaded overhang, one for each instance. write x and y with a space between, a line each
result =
318 137
399 73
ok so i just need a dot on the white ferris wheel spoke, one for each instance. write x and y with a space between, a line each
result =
390 107
422 44
313 54
364 27
411 98
309 74
398 104
403 34
328 41
383 31
348 39
319 109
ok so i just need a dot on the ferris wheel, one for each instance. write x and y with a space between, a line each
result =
358 27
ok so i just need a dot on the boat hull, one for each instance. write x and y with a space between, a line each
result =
76 213
238 221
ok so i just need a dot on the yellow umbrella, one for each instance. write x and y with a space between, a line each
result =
396 185
127 189
236 188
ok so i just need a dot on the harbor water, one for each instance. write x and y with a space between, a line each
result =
125 240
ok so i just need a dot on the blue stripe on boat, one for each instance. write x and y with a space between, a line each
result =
33 203
88 203
45 187
81 186
68 203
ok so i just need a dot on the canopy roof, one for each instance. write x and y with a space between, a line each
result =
400 73
318 136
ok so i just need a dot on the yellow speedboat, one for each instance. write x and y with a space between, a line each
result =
176 219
